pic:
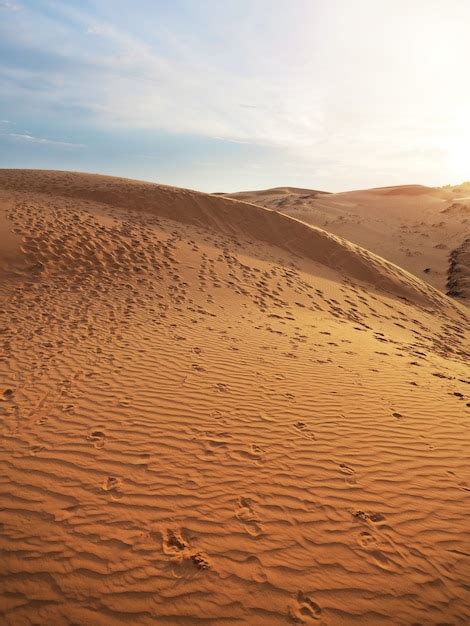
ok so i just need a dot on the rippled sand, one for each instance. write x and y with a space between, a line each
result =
215 414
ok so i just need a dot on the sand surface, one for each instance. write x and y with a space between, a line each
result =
212 413
418 228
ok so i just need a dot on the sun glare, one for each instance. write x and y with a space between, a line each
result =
458 158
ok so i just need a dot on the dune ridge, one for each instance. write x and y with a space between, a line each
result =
228 217
214 414
413 226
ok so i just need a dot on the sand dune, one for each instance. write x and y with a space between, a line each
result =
416 227
213 413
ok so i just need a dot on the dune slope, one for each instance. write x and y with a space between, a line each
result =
416 227
215 414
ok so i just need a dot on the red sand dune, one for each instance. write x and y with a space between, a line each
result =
414 226
213 413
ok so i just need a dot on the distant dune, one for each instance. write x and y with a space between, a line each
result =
275 191
416 227
215 413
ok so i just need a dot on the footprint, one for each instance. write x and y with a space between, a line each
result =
257 450
350 474
173 542
254 453
345 469
366 540
8 394
199 560
216 414
380 560
303 429
64 514
375 518
257 572
98 438
248 517
113 485
303 610
216 443
36 449
198 368
178 549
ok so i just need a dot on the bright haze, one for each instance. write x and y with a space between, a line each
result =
224 96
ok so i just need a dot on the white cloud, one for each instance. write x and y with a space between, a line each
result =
42 141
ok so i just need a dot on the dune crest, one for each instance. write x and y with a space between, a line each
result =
228 217
214 413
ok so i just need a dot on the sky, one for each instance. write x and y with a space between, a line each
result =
229 95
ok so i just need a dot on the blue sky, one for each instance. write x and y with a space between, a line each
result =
238 94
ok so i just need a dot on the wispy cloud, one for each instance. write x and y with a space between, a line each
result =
248 142
324 85
10 6
41 141
125 81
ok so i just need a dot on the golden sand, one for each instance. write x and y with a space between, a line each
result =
213 413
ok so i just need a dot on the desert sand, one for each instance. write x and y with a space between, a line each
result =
425 230
215 413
